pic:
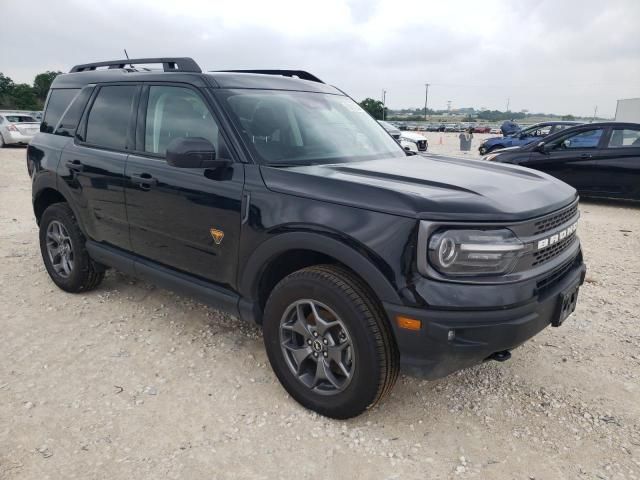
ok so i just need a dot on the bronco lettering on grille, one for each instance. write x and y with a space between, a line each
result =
556 237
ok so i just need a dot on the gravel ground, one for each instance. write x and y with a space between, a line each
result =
131 381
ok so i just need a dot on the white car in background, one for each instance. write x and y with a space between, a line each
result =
17 128
413 142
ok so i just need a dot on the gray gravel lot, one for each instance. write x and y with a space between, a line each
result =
131 381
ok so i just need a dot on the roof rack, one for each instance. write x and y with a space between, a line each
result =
301 74
177 64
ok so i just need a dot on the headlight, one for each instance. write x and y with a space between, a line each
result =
474 252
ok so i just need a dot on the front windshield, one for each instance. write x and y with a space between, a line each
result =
300 128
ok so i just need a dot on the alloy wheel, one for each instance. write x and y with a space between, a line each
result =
60 249
317 347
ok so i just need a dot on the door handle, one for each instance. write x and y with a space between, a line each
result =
74 165
144 180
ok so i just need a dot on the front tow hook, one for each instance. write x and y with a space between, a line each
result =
502 356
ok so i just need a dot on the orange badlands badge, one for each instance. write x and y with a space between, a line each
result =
217 235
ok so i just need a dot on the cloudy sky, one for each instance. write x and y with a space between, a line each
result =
545 56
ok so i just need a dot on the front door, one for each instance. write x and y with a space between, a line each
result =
572 158
184 218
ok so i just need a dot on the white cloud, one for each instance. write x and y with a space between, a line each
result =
545 55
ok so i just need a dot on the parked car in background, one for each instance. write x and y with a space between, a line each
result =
598 159
524 136
495 130
414 142
17 128
481 129
391 130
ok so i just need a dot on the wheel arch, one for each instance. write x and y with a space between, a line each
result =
288 252
44 198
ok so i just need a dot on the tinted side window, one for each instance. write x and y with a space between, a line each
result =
108 120
175 112
71 117
59 100
624 137
584 139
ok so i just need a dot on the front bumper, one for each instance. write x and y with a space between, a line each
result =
430 352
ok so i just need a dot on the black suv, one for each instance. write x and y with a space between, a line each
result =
273 196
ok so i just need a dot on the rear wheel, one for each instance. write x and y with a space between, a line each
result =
65 256
328 341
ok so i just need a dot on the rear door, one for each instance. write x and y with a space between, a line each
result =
573 158
93 165
177 215
619 163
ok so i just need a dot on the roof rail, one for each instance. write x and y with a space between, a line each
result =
301 74
177 64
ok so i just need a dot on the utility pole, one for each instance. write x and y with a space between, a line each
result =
508 102
384 102
426 99
448 105
595 112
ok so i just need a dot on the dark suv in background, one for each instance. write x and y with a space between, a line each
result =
274 197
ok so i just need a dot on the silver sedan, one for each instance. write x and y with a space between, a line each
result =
17 128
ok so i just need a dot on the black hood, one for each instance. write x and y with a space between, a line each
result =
428 187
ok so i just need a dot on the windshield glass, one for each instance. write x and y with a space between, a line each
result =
294 128
20 119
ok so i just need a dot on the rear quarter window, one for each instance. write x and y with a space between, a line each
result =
59 100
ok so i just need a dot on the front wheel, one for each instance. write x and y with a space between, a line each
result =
65 256
328 341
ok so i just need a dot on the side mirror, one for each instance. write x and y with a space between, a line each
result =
193 152
541 148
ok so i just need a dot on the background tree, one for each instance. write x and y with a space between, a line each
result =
24 98
6 86
374 107
42 83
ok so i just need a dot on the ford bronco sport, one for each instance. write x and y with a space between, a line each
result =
274 197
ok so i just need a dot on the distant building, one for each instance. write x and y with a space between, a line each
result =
628 110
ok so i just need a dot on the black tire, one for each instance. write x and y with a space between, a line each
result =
85 274
483 151
375 354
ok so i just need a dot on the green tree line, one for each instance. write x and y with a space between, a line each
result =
22 96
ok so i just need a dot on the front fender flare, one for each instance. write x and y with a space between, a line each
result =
346 254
